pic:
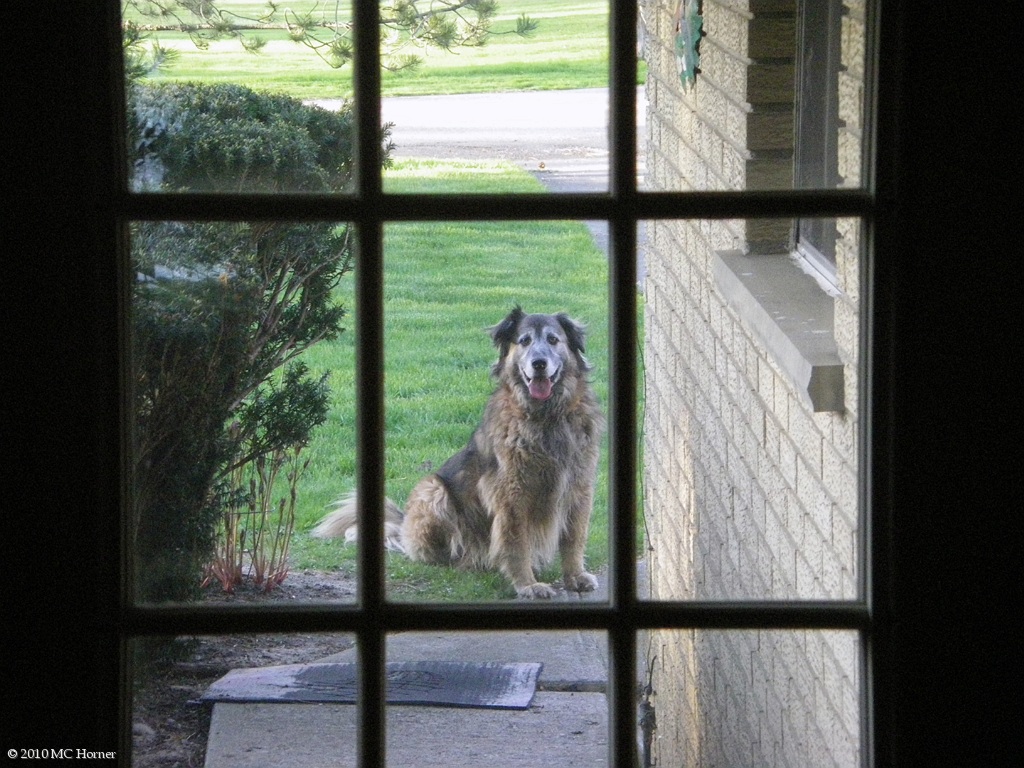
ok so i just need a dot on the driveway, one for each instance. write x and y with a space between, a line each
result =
562 133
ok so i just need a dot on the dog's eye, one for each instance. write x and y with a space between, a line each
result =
525 340
552 340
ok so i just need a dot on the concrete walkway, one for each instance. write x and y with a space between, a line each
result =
566 724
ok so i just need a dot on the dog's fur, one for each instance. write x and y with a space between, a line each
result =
522 487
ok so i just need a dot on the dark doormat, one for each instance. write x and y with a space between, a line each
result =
426 683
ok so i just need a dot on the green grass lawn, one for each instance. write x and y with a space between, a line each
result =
445 284
568 50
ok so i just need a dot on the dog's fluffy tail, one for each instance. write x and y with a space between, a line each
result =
342 521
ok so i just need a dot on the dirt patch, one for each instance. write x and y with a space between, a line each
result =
169 723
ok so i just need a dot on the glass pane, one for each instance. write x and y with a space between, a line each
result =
238 97
450 296
243 426
753 698
207 700
523 698
752 421
768 99
536 101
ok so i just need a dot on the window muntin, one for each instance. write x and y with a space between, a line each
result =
624 616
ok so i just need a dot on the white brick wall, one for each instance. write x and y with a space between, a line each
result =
749 494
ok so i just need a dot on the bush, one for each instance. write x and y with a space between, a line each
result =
222 309
230 138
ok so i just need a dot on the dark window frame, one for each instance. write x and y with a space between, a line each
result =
623 207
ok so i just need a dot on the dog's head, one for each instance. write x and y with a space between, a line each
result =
538 353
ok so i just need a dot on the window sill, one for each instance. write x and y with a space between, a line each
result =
790 314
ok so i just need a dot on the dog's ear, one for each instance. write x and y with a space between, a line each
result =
575 332
504 333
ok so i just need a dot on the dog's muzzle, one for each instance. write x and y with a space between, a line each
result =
541 383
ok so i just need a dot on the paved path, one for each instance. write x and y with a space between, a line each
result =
566 724
559 129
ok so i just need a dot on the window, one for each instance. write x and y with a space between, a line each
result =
816 154
795 282
370 210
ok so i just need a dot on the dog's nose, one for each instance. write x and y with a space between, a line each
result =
540 365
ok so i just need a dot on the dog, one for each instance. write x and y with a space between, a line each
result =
522 488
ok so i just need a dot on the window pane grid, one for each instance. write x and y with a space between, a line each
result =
622 99
403 617
441 207
370 484
371 747
373 617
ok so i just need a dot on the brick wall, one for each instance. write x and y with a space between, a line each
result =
749 493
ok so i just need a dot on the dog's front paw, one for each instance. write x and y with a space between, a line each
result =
580 582
536 591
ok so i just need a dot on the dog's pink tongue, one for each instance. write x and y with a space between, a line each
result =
540 389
